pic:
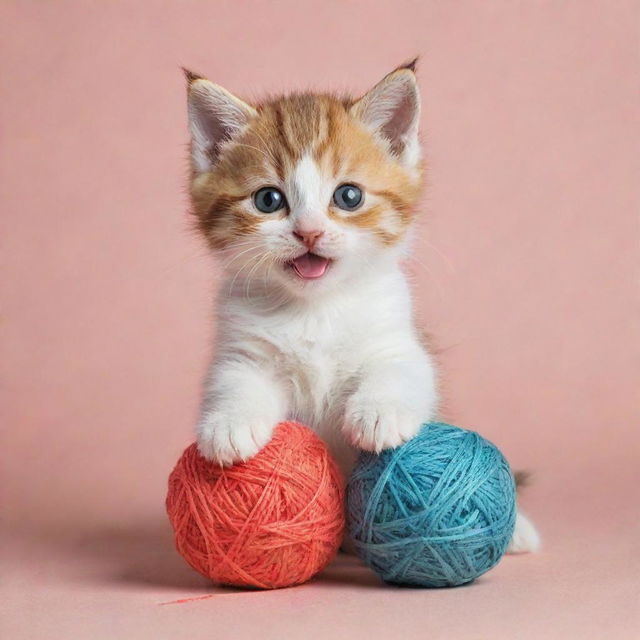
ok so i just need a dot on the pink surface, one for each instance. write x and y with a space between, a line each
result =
527 276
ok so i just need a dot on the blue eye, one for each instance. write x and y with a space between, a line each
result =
348 197
269 199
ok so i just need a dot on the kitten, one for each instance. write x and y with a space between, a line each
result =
309 200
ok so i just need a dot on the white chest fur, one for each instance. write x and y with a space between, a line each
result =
318 354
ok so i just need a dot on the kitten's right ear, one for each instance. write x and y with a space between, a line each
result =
392 111
215 116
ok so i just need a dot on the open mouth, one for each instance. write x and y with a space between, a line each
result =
309 266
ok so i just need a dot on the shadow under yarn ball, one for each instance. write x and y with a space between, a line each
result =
438 511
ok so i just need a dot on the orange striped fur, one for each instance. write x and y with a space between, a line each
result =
267 150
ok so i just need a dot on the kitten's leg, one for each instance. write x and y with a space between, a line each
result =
241 406
525 537
394 397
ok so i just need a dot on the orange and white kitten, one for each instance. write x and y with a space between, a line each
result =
309 199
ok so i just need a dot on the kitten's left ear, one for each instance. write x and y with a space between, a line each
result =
215 117
392 110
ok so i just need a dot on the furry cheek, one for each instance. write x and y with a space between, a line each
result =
383 223
229 222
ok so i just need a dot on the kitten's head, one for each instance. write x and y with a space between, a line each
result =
308 191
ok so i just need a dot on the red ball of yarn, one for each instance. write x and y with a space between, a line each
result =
273 521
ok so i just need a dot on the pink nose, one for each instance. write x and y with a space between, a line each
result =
308 237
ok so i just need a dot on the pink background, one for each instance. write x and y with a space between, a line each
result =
527 277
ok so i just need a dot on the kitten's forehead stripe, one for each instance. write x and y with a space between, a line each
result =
283 133
326 144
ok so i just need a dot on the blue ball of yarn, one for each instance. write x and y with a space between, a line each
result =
438 511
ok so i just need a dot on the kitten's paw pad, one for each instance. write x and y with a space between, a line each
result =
374 425
525 538
230 438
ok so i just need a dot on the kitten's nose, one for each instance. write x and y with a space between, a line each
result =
308 237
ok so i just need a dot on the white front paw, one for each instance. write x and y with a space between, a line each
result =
375 425
230 437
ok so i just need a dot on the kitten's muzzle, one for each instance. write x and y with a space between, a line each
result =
308 237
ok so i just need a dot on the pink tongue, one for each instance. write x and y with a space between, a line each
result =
310 265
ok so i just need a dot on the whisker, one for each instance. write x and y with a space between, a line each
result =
233 280
267 150
250 274
267 155
238 255
446 260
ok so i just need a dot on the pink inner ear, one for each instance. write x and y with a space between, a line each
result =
392 109
401 121
215 117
